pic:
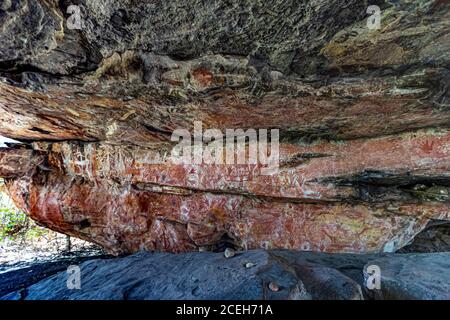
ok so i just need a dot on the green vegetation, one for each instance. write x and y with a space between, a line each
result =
16 225
12 223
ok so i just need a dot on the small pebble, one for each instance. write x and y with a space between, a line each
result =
274 287
276 75
229 253
248 265
392 208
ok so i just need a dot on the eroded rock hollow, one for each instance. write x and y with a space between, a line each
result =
363 117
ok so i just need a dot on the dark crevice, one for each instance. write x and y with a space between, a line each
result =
36 129
434 238
225 242
85 223
387 179
374 186
156 130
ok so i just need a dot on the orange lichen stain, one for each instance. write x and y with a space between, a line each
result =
132 171
203 76
218 215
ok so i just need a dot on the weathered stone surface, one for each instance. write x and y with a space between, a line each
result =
19 162
23 277
340 200
363 118
197 276
279 274
237 65
434 238
414 276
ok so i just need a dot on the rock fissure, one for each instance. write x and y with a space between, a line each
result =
363 118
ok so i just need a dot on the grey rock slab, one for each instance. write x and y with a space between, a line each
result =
196 276
413 276
272 275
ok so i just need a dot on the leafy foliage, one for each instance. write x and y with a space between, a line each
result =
15 224
12 223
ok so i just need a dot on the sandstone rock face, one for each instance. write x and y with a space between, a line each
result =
362 117
434 238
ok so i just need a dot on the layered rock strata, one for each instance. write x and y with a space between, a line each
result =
363 118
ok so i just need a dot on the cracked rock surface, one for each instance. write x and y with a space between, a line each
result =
363 118
295 275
